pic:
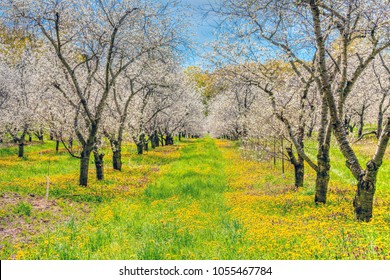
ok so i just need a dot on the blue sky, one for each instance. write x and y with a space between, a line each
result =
202 28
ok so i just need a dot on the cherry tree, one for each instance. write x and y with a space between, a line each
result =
94 51
341 32
164 111
230 110
321 40
141 78
290 89
351 21
24 89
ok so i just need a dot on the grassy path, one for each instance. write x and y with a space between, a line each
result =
182 215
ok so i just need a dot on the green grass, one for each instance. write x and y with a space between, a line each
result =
23 208
181 215
196 200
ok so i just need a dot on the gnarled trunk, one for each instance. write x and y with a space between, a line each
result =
364 198
116 147
363 201
84 166
99 164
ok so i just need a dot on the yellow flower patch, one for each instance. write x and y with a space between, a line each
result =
288 225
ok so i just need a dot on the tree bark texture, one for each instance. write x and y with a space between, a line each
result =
21 149
117 159
322 179
99 164
84 166
299 168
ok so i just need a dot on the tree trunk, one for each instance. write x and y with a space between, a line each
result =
323 158
117 159
84 166
363 201
99 164
21 142
364 198
168 140
139 148
29 138
299 174
57 145
154 139
322 180
299 167
21 149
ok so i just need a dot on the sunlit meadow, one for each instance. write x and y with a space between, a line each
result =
198 199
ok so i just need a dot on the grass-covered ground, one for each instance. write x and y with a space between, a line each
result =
199 199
